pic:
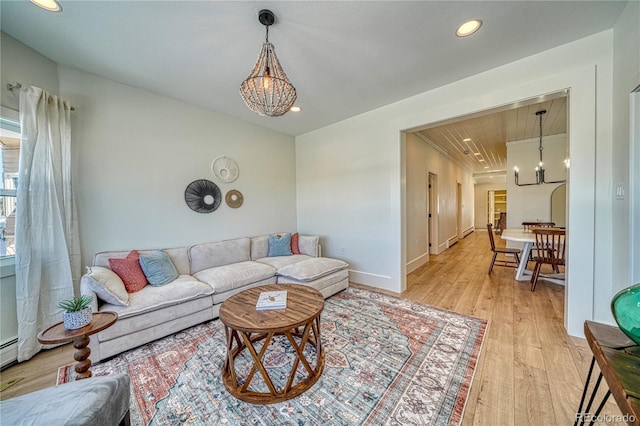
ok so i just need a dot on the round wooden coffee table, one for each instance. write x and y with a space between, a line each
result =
249 329
58 334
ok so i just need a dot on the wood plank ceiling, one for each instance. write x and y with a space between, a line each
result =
478 142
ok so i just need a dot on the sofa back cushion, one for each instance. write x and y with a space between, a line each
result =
307 244
259 247
179 257
220 253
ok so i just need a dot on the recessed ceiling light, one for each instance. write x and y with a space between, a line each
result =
468 28
50 5
486 167
466 140
476 153
295 109
481 160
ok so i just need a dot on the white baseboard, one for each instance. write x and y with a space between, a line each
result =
373 280
417 262
468 231
451 241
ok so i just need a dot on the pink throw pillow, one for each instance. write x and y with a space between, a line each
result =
295 249
129 270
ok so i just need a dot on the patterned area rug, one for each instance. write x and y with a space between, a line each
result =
387 361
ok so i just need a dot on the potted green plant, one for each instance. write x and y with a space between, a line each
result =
77 311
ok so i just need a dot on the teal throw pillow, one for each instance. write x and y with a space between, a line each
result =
280 245
158 268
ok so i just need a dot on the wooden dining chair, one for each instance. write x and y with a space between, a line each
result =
504 251
527 226
549 249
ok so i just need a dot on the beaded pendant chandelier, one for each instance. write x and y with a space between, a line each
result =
267 91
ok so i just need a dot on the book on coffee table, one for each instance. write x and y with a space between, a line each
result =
272 300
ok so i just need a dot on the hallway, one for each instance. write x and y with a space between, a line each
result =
530 370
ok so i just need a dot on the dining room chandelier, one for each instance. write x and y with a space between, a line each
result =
267 91
540 167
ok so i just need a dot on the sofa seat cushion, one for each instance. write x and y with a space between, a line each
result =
229 277
180 290
142 328
282 261
327 285
311 269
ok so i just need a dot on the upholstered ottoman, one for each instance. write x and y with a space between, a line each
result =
97 401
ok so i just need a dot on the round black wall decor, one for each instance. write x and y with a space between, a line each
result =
202 196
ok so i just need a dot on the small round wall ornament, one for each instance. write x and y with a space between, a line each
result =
225 169
234 198
202 196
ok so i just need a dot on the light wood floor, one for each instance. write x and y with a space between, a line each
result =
530 371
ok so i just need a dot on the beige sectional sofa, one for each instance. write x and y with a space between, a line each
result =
207 275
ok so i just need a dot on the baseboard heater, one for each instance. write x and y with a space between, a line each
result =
468 231
451 241
9 353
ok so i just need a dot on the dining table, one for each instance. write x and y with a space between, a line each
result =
528 239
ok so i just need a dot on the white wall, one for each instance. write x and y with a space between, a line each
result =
361 160
22 64
422 159
481 202
626 72
533 203
135 152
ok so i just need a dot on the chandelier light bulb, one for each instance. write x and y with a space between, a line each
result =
266 82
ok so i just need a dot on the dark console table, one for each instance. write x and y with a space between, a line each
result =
619 360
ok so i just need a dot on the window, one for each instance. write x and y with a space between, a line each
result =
10 156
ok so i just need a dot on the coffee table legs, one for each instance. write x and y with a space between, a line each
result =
238 341
82 356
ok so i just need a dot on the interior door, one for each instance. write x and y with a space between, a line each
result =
492 208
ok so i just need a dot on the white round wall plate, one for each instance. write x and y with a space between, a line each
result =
225 169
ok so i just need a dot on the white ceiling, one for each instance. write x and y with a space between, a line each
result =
343 57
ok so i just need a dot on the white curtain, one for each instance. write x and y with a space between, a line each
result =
47 248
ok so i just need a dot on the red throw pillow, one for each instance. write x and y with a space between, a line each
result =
129 270
295 249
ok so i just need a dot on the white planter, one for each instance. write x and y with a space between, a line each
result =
78 319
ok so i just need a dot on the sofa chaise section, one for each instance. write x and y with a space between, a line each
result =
326 275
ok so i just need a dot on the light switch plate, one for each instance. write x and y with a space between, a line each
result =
620 191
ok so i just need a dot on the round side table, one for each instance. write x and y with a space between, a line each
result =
58 334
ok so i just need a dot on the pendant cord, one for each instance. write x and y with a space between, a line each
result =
540 146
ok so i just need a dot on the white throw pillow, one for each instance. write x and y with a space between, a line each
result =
107 285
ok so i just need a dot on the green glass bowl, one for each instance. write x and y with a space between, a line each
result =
625 307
